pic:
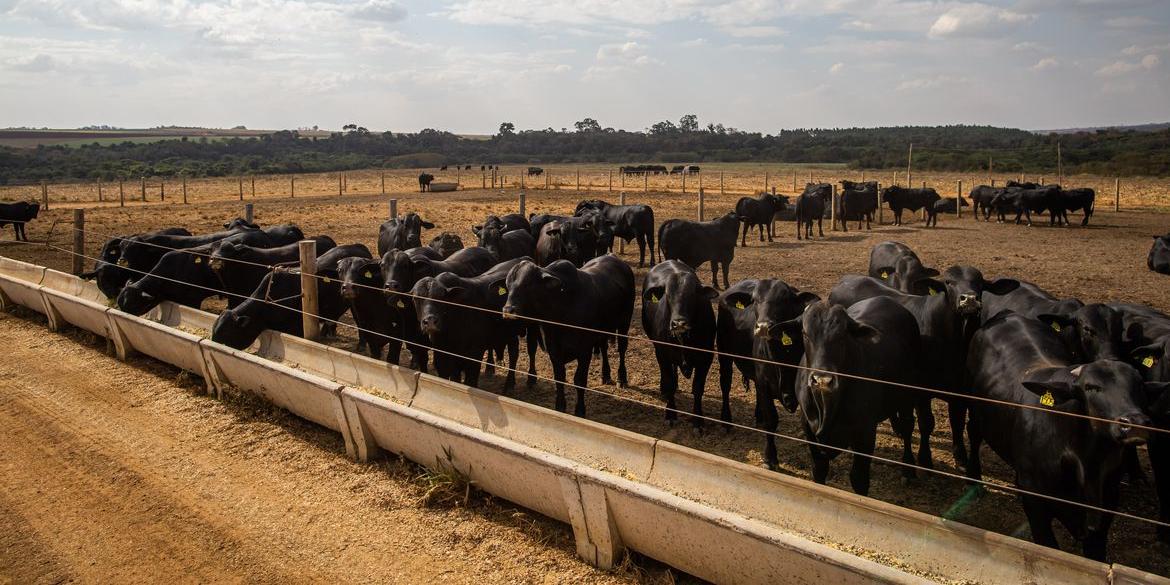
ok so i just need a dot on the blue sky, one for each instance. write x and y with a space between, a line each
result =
467 65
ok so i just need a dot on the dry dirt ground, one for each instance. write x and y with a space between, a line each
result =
1103 262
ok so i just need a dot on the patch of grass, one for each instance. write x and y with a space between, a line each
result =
444 484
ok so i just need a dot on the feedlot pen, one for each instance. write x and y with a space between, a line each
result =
1104 262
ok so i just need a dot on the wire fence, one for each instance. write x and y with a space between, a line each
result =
995 485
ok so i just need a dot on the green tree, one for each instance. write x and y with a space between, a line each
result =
587 125
507 129
689 123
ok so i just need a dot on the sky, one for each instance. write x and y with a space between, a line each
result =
468 65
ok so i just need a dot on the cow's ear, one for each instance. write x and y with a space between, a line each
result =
498 289
930 272
806 298
928 286
553 231
1058 323
708 293
1146 356
738 301
1001 286
551 282
1051 392
863 332
885 271
790 331
427 225
475 229
653 295
243 322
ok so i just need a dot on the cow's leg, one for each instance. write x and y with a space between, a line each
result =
714 274
394 351
975 435
1040 521
762 228
725 374
532 343
925 430
642 251
470 367
798 228
743 235
820 461
903 423
863 443
771 229
821 225
726 266
649 238
767 420
603 349
1159 450
580 379
513 346
558 368
957 411
623 343
667 382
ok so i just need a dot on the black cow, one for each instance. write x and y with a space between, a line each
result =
749 314
1148 338
240 267
401 270
630 222
676 309
505 223
138 254
182 276
811 205
981 198
900 199
441 304
1025 202
1159 258
1029 300
276 302
550 247
361 288
508 245
876 339
759 211
424 182
18 214
109 275
696 242
599 296
402 233
535 171
537 221
1020 360
900 268
857 202
1073 200
947 205
446 244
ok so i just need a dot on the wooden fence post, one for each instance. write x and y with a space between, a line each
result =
794 181
879 202
765 181
1117 194
700 205
144 188
249 212
309 322
121 193
240 181
292 186
645 182
482 180
393 208
162 191
622 242
45 195
684 183
78 241
344 181
721 182
253 186
578 179
523 205
100 198
923 207
959 199
384 182
339 184
833 208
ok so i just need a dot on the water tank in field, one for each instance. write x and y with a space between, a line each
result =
443 187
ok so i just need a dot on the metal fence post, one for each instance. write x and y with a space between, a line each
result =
310 325
393 208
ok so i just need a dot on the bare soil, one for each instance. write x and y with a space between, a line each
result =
1103 262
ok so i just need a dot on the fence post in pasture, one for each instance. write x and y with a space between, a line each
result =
292 186
862 175
384 182
78 241
393 208
339 184
1041 181
523 205
684 183
253 186
249 212
923 207
143 183
622 242
993 182
700 205
45 195
773 222
810 177
833 209
547 180
700 173
794 181
240 182
622 176
121 193
721 182
578 179
765 181
100 198
344 182
645 182
611 181
309 321
895 180
162 191
959 199
1117 194
879 202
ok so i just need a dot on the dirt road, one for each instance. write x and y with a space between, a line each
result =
117 472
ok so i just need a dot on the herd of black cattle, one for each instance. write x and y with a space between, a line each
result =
864 354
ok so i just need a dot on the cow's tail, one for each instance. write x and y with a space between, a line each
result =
661 243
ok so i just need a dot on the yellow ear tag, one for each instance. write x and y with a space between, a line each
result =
785 339
1056 327
739 305
123 262
885 275
1148 361
1047 399
932 292
199 259
400 305
501 291
327 281
653 298
368 274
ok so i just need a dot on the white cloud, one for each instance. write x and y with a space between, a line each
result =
627 53
754 32
926 83
1129 22
693 43
1029 46
857 25
1046 63
976 20
836 68
1123 67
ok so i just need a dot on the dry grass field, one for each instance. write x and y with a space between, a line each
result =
736 178
1103 262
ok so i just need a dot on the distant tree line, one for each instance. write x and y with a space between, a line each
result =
941 148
